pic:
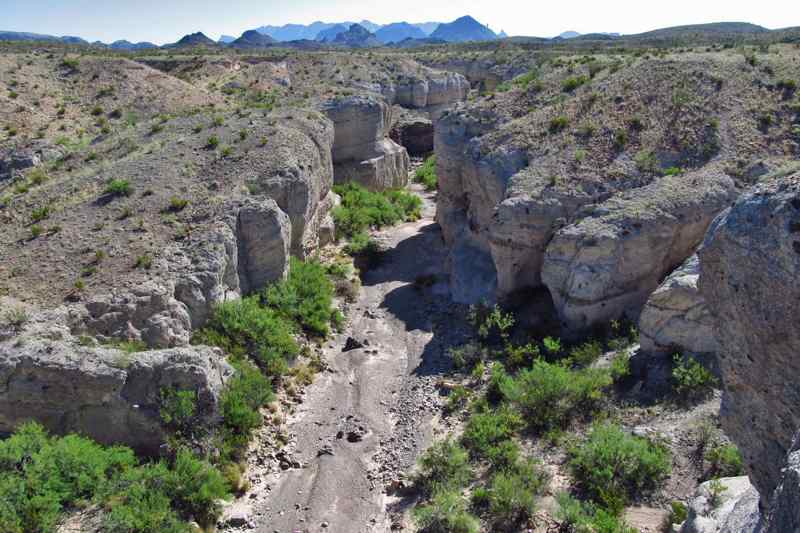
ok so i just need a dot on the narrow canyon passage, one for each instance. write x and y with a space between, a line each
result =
366 420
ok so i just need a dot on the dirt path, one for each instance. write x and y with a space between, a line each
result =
364 421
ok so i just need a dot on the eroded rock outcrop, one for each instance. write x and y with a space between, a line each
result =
112 396
749 266
675 317
362 150
606 265
264 240
296 170
432 91
734 510
415 133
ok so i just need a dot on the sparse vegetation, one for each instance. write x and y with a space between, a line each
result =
426 174
118 187
690 378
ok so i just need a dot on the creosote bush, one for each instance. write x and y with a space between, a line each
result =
118 187
44 476
611 466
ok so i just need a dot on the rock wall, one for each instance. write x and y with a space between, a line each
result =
676 318
604 266
749 267
432 91
107 394
362 150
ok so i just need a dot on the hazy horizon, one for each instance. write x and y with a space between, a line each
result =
162 22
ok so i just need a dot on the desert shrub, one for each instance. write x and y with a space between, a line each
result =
178 409
486 431
118 187
586 353
139 503
305 297
446 512
444 465
552 346
212 142
196 487
248 391
36 231
426 174
620 140
678 513
492 323
144 261
15 317
362 244
646 161
570 84
512 493
612 466
467 356
558 124
42 476
246 327
690 379
362 209
726 460
521 356
620 365
525 80
457 399
549 395
177 204
584 517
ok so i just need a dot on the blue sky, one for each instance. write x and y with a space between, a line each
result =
162 21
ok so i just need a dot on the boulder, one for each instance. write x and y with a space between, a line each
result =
106 394
749 267
605 266
362 151
675 317
734 510
264 235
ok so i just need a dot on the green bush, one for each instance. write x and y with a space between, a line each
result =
361 209
586 353
558 124
43 476
549 395
444 465
305 297
513 493
446 513
583 517
467 356
612 466
570 84
726 460
246 327
117 187
690 379
486 431
40 213
178 409
426 174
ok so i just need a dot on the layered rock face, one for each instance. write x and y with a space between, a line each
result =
297 172
431 92
362 150
605 266
413 133
749 266
735 512
676 318
109 395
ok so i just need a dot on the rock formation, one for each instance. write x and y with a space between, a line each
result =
749 266
605 266
735 510
362 150
413 132
676 318
114 397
